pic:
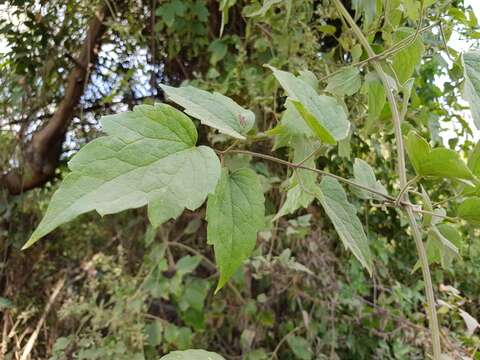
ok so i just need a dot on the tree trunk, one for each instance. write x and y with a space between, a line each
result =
42 154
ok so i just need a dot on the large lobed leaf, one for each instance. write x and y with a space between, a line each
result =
345 220
215 110
235 213
149 158
323 114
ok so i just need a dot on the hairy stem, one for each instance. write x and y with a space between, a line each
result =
432 315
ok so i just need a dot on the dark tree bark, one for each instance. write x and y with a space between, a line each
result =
42 154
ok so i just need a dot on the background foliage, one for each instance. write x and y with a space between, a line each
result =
129 292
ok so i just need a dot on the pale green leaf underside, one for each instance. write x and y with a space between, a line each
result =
346 82
215 110
364 175
445 241
149 158
303 182
440 162
192 354
323 114
235 213
442 245
471 87
290 127
344 218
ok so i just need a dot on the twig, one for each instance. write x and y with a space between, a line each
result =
280 343
313 153
405 189
56 290
3 348
318 171
447 199
442 34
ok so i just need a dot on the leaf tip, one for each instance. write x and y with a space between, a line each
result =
32 240
220 285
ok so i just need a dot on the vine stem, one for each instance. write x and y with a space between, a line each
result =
389 200
318 171
402 172
405 189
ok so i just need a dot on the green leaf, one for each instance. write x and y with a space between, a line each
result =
471 87
5 303
447 250
309 77
405 61
235 213
321 132
303 186
187 264
169 10
344 218
214 110
376 96
192 354
267 4
369 8
219 49
300 347
364 175
469 210
428 206
411 8
474 160
346 82
291 126
442 245
149 157
440 162
154 332
322 114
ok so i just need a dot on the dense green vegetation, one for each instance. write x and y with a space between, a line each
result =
302 199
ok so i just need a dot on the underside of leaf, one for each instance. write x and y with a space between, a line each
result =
149 158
